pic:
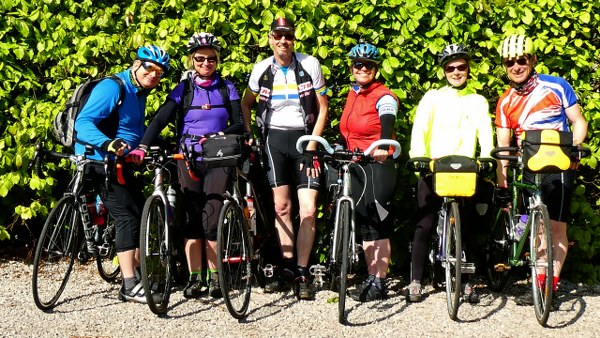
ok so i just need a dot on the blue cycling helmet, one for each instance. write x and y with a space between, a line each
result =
365 51
154 54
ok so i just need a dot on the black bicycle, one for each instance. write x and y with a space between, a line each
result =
60 240
244 233
454 177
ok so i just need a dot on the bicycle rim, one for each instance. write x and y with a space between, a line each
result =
453 260
155 259
106 260
541 249
55 253
234 259
497 252
345 223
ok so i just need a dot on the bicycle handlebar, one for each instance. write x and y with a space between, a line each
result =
384 142
486 165
577 153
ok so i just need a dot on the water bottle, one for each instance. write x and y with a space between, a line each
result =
100 217
520 226
172 196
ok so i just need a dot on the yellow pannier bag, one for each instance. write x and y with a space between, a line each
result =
455 176
547 151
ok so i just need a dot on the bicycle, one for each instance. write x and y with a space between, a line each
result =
244 232
507 248
344 250
157 253
455 178
59 242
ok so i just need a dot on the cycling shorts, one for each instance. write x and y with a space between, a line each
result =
283 160
557 191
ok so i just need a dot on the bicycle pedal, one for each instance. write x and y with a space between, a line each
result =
268 270
501 267
467 268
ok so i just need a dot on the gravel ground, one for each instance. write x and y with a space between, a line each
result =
89 308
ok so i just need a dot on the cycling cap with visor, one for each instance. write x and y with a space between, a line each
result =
282 25
365 51
453 52
515 46
202 40
155 55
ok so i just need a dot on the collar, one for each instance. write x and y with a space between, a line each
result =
526 86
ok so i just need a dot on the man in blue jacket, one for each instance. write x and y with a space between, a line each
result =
118 133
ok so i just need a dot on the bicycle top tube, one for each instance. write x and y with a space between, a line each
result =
348 155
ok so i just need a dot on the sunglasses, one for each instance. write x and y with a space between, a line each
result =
361 64
201 59
151 67
451 69
522 61
289 37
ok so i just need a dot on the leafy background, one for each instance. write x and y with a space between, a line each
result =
47 47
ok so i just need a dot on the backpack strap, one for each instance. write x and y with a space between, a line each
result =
188 96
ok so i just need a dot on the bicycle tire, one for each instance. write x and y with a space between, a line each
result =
155 255
55 253
107 261
453 260
234 258
542 292
345 223
497 252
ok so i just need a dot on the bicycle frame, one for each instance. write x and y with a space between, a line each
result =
345 197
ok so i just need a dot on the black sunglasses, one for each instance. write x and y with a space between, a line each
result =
451 69
289 37
361 64
522 61
201 59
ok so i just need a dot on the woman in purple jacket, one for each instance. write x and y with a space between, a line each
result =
207 113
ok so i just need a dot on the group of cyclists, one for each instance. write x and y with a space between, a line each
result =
291 99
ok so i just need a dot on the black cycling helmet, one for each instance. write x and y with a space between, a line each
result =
201 40
452 52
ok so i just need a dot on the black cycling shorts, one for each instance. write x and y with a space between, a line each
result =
283 160
557 191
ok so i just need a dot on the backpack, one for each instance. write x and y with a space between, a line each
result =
63 125
188 97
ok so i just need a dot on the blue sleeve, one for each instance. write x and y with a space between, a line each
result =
101 102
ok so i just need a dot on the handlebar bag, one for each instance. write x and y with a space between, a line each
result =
223 151
455 176
547 151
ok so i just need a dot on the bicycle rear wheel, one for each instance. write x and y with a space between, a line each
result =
542 267
453 260
234 259
155 258
55 253
106 260
497 252
344 222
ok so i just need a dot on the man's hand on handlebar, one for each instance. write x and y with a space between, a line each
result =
312 165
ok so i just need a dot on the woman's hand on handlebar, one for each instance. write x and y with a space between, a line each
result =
380 155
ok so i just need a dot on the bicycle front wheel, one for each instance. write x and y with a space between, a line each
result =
155 258
453 260
542 267
497 252
55 253
106 260
344 222
234 259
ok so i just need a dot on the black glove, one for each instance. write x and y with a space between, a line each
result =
248 135
310 161
502 197
487 166
112 146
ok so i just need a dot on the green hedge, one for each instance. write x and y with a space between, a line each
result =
49 46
